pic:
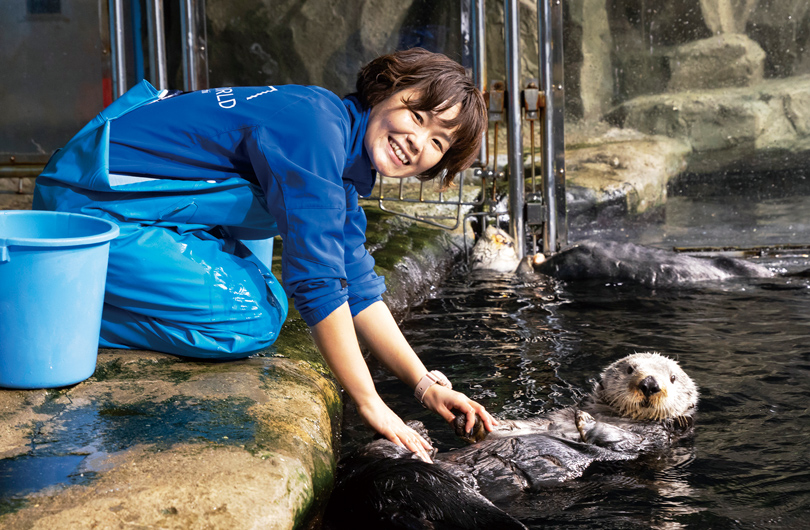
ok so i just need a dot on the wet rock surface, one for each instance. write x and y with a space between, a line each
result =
762 127
728 60
157 440
621 169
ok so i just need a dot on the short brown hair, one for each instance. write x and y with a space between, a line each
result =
441 84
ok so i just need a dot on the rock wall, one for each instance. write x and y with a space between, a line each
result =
319 42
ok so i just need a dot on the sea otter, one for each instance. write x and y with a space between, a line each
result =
641 404
494 251
628 262
611 261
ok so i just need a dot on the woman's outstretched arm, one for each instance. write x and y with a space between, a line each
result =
377 328
336 339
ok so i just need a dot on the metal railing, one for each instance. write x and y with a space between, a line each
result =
542 213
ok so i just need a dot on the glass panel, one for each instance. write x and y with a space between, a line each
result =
694 114
54 66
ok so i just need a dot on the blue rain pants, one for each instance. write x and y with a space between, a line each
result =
181 278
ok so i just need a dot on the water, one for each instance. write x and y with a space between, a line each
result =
525 347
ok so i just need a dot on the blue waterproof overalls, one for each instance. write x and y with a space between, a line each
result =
195 181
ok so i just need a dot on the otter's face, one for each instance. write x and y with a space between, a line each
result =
647 386
495 251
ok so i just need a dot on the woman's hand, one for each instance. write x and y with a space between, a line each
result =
444 401
383 420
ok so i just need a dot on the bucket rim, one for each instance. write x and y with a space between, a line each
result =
107 230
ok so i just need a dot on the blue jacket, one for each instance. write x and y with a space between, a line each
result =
302 145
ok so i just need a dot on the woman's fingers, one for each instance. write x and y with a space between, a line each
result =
412 441
444 401
383 420
489 422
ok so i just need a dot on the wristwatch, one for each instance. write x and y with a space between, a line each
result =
428 380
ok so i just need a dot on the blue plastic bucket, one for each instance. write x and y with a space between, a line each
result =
53 267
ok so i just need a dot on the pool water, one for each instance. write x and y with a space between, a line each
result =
522 347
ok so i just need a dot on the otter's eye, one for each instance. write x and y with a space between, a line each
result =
629 370
672 378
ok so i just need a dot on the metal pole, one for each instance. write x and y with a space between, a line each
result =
188 38
547 86
157 44
119 49
480 62
195 68
558 121
515 137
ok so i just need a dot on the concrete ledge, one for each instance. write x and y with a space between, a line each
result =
153 440
173 443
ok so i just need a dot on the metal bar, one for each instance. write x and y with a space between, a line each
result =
517 227
118 48
546 83
558 121
157 44
137 42
480 63
195 67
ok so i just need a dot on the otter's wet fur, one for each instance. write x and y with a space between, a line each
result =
383 485
494 251
628 262
641 404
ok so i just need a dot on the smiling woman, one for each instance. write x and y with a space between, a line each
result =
445 106
403 142
193 179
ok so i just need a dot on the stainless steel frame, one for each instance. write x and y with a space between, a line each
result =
157 44
195 49
517 227
549 20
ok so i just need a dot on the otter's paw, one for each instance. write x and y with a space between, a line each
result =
606 435
477 433
584 423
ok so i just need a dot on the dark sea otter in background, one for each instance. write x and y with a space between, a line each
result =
641 404
610 261
627 262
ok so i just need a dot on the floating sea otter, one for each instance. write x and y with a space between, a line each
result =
611 261
627 262
641 404
494 251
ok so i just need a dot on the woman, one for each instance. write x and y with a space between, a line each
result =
193 180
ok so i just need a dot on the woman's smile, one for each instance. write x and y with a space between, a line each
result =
402 142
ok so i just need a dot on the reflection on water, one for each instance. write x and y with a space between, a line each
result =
523 347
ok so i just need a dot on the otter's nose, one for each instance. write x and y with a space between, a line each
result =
649 386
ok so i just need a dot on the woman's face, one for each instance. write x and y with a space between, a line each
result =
404 143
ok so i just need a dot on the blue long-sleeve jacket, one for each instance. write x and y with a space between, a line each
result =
302 145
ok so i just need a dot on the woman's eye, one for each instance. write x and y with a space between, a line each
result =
439 146
417 117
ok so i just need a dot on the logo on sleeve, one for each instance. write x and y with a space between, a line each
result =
227 100
272 89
